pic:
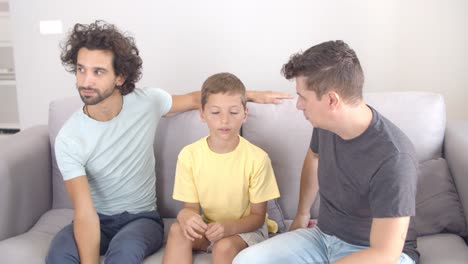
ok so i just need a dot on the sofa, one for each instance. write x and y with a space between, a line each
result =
34 205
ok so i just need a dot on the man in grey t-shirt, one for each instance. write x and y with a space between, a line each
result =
361 164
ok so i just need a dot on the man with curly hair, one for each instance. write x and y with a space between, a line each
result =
105 150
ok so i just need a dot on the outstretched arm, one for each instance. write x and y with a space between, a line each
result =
192 101
308 190
387 238
85 220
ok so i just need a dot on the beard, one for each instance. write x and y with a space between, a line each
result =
93 100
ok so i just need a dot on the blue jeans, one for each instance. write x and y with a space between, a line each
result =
306 245
125 238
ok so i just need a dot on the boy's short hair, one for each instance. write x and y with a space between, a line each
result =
225 83
331 64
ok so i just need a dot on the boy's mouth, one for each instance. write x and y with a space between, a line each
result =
224 130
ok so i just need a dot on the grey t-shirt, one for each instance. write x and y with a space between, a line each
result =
371 176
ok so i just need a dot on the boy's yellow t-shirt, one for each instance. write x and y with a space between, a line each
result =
224 184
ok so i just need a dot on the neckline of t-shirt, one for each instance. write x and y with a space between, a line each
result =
372 124
221 155
114 119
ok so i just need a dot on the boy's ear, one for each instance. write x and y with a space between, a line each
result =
246 112
202 115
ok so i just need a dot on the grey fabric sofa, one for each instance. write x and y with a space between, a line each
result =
34 205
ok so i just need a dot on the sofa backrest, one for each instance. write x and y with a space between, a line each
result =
281 130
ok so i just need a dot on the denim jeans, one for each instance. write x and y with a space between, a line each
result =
306 245
125 238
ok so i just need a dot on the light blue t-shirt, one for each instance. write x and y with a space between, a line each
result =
117 155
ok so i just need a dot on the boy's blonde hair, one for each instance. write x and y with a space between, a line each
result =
225 83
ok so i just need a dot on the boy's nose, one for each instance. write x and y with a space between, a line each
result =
224 118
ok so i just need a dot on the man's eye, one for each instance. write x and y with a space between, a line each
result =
99 72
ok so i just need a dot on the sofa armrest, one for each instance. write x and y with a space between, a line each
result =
25 180
456 154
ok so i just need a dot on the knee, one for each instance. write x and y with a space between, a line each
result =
250 255
175 231
126 251
224 247
63 249
60 253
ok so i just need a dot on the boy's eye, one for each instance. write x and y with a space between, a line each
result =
234 113
214 113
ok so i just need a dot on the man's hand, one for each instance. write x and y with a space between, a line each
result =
215 232
193 227
267 97
300 221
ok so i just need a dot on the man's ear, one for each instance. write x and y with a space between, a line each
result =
202 115
120 80
333 100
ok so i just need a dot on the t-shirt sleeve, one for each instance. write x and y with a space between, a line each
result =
70 158
393 188
162 99
263 185
314 141
184 185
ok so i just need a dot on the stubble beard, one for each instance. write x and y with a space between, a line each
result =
90 100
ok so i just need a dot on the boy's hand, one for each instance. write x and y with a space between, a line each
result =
215 231
194 227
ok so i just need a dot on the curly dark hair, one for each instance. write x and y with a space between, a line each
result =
103 36
326 66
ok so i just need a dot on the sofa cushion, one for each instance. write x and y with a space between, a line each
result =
172 135
59 112
32 246
420 115
438 207
275 213
442 248
284 125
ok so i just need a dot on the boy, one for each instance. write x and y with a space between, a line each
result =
224 175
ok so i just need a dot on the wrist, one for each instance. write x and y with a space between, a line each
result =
251 95
303 214
185 214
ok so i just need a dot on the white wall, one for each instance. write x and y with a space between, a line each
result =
403 45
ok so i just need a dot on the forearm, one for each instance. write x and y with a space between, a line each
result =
370 255
246 224
87 236
307 194
185 214
251 95
309 184
387 238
